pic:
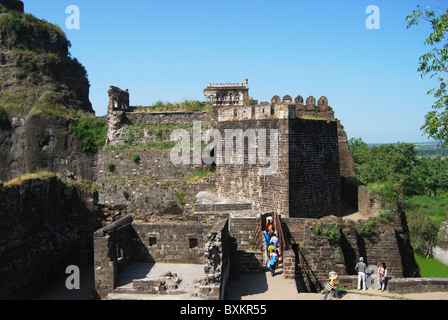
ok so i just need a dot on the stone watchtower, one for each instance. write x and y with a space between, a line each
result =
228 94
118 99
281 162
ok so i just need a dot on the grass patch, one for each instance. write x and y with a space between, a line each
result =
434 207
430 267
47 106
42 175
424 215
184 106
85 186
152 145
198 175
386 189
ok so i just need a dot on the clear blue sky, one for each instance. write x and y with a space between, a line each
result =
170 50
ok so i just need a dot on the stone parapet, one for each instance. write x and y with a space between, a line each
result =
414 285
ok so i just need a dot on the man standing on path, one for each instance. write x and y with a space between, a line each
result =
361 269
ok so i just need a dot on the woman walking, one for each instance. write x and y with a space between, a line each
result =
382 274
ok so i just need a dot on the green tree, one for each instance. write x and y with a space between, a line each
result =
385 163
435 64
423 232
428 176
92 131
437 175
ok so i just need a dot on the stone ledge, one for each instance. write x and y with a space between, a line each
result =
403 285
408 285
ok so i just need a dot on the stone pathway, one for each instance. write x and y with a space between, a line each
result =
262 286
258 286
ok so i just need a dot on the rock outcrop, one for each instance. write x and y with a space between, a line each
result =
35 61
13 5
440 251
39 143
41 88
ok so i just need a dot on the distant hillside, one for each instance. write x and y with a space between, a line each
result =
431 149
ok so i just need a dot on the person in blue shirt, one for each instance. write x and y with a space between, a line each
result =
267 240
273 262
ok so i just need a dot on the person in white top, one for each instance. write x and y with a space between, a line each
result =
361 269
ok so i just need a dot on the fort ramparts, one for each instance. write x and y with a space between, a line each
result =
145 209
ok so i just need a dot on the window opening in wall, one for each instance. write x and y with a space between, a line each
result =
193 243
152 242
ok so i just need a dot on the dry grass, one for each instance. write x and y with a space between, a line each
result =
43 175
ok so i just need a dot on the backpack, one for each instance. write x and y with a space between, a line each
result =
329 286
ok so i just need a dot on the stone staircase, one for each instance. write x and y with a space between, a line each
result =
243 221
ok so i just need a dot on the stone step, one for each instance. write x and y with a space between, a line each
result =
144 296
222 207
209 202
147 289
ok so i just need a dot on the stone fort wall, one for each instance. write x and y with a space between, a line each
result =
45 226
151 183
323 256
307 180
124 242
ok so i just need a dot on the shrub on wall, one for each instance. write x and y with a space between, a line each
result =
136 158
330 233
110 166
92 131
368 229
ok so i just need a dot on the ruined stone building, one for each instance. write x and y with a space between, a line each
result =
306 186
228 94
129 209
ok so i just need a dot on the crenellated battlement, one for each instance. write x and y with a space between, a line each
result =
279 108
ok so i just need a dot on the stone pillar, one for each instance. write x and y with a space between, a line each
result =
116 113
